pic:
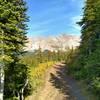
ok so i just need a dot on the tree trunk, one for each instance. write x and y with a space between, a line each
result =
18 95
21 96
22 90
2 74
1 82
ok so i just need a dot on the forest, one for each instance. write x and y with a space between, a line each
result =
84 63
22 73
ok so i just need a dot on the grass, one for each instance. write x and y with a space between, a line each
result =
86 92
38 75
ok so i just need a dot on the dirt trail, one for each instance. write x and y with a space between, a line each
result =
58 86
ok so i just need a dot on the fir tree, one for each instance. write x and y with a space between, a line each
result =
86 62
13 27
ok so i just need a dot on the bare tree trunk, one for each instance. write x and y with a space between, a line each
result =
2 72
22 90
18 95
21 96
1 82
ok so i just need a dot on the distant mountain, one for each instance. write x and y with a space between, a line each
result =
61 42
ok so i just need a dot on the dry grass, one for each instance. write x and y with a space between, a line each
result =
38 75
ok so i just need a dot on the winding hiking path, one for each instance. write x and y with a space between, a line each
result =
58 86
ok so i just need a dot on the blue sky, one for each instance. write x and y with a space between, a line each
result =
53 17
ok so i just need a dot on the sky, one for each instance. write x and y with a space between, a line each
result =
53 17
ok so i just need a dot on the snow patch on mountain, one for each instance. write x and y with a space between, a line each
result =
61 42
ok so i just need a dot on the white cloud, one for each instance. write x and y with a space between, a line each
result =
40 31
74 20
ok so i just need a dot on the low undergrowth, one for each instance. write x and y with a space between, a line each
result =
38 75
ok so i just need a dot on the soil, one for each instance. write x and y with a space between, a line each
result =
59 86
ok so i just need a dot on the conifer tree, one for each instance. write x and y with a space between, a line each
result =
90 25
13 27
86 62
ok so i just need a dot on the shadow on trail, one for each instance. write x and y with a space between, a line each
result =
65 84
57 80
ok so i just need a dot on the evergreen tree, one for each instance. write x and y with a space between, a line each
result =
13 34
39 55
90 26
85 64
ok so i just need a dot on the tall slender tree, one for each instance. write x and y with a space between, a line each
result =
13 28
